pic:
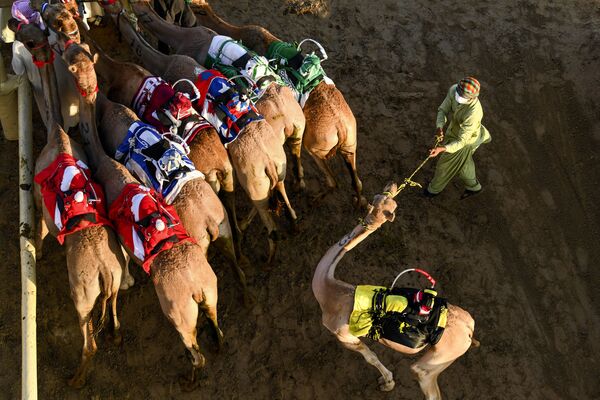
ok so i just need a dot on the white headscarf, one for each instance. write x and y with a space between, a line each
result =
459 99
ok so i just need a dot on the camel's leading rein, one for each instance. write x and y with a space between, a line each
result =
408 181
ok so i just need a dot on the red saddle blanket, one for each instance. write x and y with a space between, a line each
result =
146 224
158 104
73 200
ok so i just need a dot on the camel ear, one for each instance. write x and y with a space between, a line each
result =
73 69
13 24
95 58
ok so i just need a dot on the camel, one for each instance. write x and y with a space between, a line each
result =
205 149
197 205
277 102
93 254
337 298
59 17
181 275
257 153
330 123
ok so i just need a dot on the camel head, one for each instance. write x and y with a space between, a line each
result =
34 39
111 6
80 62
383 208
61 20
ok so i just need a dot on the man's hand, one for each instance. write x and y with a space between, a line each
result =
434 152
439 133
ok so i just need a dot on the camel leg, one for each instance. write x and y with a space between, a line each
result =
280 187
116 325
350 161
225 245
262 207
248 220
228 199
182 312
330 182
127 280
386 381
455 341
213 181
209 306
84 299
296 150
427 374
41 232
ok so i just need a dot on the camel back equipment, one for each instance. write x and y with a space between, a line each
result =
250 71
301 72
224 107
408 316
73 200
146 224
156 161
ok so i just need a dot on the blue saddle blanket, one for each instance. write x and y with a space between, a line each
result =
156 161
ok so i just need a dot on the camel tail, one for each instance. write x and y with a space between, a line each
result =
271 172
342 134
106 284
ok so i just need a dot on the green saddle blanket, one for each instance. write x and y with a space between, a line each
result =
301 72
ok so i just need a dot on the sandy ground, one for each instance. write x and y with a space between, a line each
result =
520 258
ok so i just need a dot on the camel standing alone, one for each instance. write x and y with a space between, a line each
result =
257 153
336 299
330 123
182 277
93 254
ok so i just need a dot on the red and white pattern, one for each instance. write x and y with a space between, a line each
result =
68 192
146 225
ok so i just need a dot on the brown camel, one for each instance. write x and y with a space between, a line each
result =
182 277
257 153
205 149
59 17
330 124
93 253
277 104
336 299
197 205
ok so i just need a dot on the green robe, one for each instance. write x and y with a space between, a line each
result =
464 135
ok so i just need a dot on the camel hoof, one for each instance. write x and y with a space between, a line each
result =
188 385
116 338
385 385
77 382
249 300
127 282
360 204
299 186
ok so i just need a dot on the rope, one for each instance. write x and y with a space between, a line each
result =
408 181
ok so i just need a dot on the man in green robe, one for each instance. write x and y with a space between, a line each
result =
463 136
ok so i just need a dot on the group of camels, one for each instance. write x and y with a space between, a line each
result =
177 233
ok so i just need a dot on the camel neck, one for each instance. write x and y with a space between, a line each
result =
89 132
171 34
50 89
152 59
208 18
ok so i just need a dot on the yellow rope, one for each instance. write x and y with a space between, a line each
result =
408 181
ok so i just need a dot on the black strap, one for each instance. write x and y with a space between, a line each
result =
73 222
145 222
296 61
159 246
241 62
157 150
